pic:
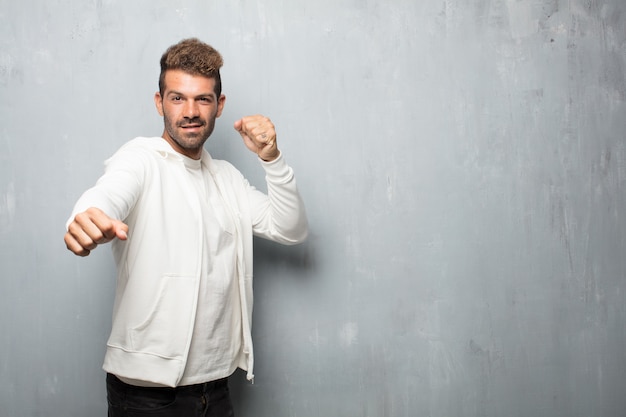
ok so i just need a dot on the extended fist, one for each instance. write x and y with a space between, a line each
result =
92 228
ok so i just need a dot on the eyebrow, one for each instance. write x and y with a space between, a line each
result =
178 93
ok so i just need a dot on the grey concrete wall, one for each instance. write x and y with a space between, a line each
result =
464 168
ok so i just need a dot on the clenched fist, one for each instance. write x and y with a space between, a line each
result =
92 228
259 136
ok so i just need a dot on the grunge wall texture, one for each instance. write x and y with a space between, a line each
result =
463 165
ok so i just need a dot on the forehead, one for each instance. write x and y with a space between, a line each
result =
183 82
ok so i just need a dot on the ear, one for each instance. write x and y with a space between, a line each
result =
158 102
220 105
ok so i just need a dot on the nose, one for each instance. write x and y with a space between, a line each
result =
191 109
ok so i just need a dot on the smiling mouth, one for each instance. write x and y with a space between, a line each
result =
192 123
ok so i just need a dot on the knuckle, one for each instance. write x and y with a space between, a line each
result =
80 217
88 242
72 228
98 238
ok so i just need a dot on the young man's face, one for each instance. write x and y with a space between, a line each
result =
189 108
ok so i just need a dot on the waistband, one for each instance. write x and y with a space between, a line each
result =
201 387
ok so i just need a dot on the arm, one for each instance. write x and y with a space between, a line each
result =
96 217
279 215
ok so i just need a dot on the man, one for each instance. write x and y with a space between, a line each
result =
181 227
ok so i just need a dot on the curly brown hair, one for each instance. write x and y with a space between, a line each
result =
193 57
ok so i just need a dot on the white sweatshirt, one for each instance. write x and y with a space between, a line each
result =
145 185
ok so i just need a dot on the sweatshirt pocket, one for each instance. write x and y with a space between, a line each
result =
167 327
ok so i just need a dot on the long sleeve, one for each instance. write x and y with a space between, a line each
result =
117 190
279 215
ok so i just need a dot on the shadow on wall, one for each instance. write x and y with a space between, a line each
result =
299 258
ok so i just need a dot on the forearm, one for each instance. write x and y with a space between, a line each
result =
115 193
281 215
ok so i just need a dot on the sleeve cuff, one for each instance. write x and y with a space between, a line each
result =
277 170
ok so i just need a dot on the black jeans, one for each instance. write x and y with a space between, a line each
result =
211 399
